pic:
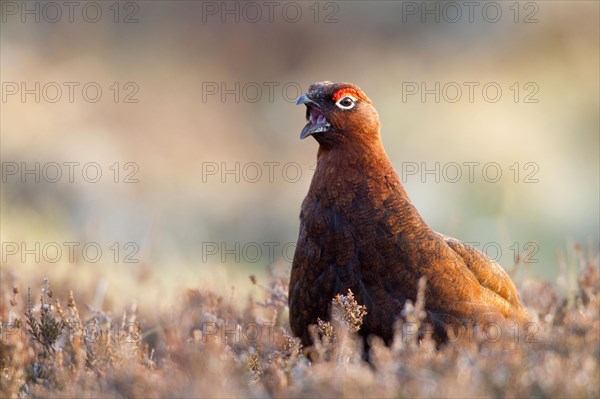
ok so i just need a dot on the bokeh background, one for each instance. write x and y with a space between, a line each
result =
193 82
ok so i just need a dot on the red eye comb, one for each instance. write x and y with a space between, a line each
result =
348 91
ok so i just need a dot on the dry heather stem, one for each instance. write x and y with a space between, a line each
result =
209 347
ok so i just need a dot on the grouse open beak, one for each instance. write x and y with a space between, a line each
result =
316 120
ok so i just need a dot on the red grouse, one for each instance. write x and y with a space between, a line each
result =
360 231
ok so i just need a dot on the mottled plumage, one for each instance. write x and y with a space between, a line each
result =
360 231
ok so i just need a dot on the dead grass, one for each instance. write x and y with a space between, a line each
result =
207 346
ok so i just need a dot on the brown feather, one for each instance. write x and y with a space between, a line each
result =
360 231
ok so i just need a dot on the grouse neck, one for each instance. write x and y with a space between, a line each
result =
356 165
353 151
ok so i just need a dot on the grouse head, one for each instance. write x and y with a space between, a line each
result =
338 113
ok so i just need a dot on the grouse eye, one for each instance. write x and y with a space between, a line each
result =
346 102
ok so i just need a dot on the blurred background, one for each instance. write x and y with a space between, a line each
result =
159 141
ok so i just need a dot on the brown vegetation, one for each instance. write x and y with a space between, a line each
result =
209 347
